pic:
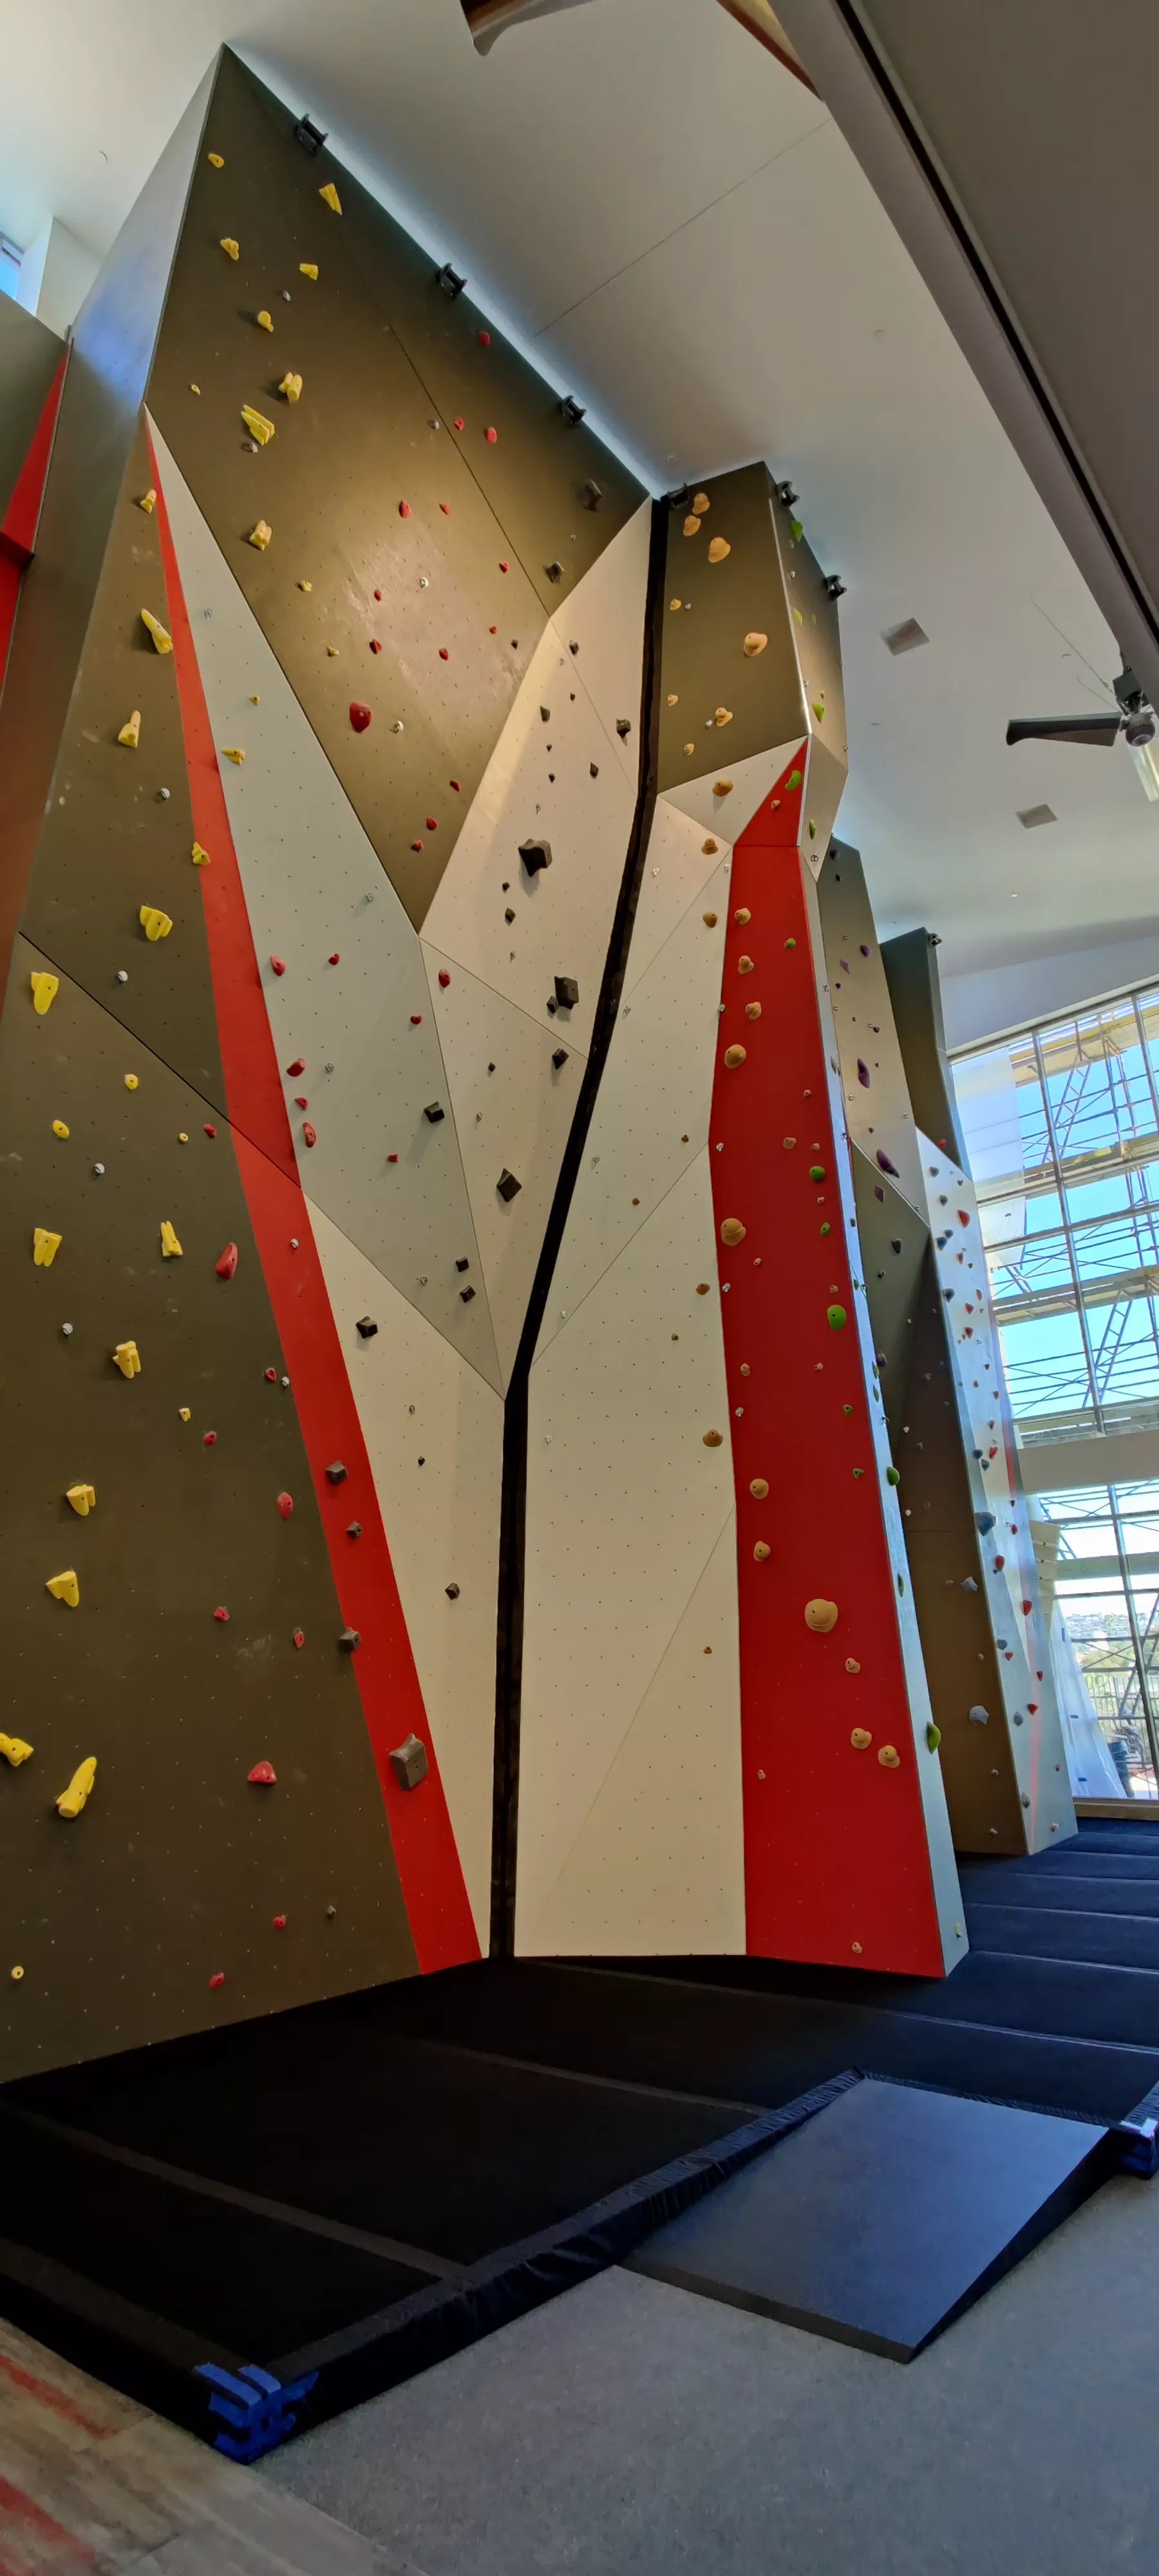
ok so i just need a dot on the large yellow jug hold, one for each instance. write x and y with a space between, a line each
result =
76 1796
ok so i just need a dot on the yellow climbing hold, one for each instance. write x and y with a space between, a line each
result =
861 1739
217 160
232 753
689 748
331 197
701 503
889 1758
673 699
45 1246
820 1616
732 1231
79 1789
82 1498
127 1358
171 1249
58 1127
255 702
16 1975
185 1412
723 716
132 1081
229 246
308 268
160 634
64 1587
130 733
305 585
199 856
44 992
148 502
154 923
257 424
14 1750
265 321
692 525
182 1136
332 650
718 549
676 603
260 535
754 643
291 387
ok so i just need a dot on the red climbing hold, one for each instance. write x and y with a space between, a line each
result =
279 965
279 1922
375 646
226 1263
299 1638
334 957
416 1019
492 630
392 1158
963 1216
999 1562
209 1131
285 1505
404 509
309 1134
455 784
491 436
301 1100
263 1775
298 1065
444 656
416 845
1027 1607
271 1377
484 339
460 423
445 507
432 826
444 977
223 1615
1032 1707
209 1439
219 1979
378 594
504 567
359 715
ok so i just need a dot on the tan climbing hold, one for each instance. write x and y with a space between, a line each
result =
59 1128
710 848
744 966
170 1248
64 1587
16 1975
127 1358
701 503
229 246
291 387
675 603
758 1488
689 748
889 1758
76 1796
257 424
692 525
742 915
330 197
709 919
702 1287
160 634
732 1231
722 787
44 991
216 160
718 549
82 1498
230 752
861 1739
303 585
673 699
308 268
130 733
754 643
148 501
762 1550
332 650
45 1246
260 535
734 1055
713 1439
15 1750
155 923
199 856
132 1081
185 1412
264 320
723 716
851 1664
752 1010
195 389
820 1616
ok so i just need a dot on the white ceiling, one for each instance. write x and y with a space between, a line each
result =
674 225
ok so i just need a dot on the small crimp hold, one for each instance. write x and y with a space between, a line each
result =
409 1763
229 246
155 923
226 1262
76 1796
260 535
127 1358
44 992
170 1248
15 1750
45 1246
130 733
64 1587
330 197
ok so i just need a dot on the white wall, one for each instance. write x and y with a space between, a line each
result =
56 273
1009 997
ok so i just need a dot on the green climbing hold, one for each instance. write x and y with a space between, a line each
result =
816 1171
892 1477
859 1471
838 1319
819 709
812 831
933 1737
797 531
793 780
790 943
847 1408
826 1228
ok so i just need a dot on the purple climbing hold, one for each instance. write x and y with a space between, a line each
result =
863 1073
884 1165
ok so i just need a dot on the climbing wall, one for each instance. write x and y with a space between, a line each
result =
32 365
725 1737
319 906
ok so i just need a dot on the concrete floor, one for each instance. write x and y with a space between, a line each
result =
630 2426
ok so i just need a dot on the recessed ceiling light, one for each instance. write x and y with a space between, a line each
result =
1030 816
906 637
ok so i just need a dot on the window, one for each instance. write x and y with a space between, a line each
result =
1098 1564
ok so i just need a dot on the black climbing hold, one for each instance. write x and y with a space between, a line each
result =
591 495
507 1185
309 136
451 284
366 1328
434 1111
984 1521
680 498
552 1004
573 411
452 1591
895 1243
336 1472
350 1638
559 1057
593 769
463 1263
623 727
466 1294
535 855
554 571
354 1529
509 915
566 992
409 1762
545 715
573 648
834 586
786 495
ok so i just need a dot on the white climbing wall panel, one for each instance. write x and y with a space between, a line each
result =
680 859
658 1860
604 615
538 786
825 779
419 1400
651 1114
363 1028
751 781
513 1109
625 1505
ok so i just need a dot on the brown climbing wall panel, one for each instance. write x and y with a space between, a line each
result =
877 1104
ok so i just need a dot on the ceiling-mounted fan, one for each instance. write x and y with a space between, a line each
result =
1135 719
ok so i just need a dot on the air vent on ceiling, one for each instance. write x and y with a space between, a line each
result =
906 637
1031 816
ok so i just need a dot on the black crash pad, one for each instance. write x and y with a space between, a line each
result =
883 2218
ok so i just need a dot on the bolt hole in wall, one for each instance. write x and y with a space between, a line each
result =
1061 1124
